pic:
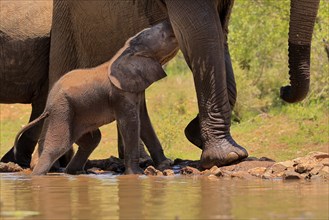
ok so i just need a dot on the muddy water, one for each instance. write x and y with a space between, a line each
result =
179 197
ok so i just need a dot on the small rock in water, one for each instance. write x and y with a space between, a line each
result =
151 171
316 169
190 171
323 173
278 168
291 175
213 171
257 171
241 175
10 167
168 172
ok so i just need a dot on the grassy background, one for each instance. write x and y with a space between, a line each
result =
262 123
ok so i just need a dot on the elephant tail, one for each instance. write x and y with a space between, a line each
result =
44 115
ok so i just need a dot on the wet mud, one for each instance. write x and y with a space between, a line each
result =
313 166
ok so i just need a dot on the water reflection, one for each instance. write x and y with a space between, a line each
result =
140 197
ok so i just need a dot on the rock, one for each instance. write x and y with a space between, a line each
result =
325 161
10 167
241 175
288 163
151 171
306 176
168 172
291 175
216 171
325 169
300 168
257 171
282 166
316 169
213 171
323 173
318 155
231 167
278 168
190 171
247 165
226 173
305 164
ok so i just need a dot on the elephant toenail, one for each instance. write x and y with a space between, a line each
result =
232 156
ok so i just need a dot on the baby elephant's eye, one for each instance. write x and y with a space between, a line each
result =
163 35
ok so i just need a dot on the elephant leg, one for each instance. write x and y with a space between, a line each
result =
29 139
151 140
52 145
193 130
201 39
87 143
144 158
129 127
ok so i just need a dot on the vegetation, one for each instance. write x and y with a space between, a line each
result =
262 123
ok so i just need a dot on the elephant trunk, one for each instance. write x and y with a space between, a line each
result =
302 18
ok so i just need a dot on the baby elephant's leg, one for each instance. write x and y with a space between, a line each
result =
87 143
55 143
144 158
151 140
128 122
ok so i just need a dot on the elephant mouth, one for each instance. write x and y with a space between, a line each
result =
167 58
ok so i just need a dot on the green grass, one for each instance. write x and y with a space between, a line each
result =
284 132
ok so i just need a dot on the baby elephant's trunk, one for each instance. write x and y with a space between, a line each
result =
27 127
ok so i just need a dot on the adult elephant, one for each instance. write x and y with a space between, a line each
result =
87 33
24 65
24 62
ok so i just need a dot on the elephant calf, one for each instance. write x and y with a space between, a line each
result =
85 99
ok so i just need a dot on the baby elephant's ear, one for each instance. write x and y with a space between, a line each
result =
134 73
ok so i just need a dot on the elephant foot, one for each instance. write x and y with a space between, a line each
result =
22 159
192 132
145 162
74 172
226 152
133 170
166 164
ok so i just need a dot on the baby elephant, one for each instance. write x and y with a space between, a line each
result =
85 99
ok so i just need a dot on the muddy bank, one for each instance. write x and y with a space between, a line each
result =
315 165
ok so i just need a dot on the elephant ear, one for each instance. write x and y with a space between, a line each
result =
134 73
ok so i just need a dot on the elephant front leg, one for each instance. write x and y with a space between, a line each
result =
200 35
128 124
193 130
144 158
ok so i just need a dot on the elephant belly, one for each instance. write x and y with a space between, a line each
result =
23 68
16 92
92 112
